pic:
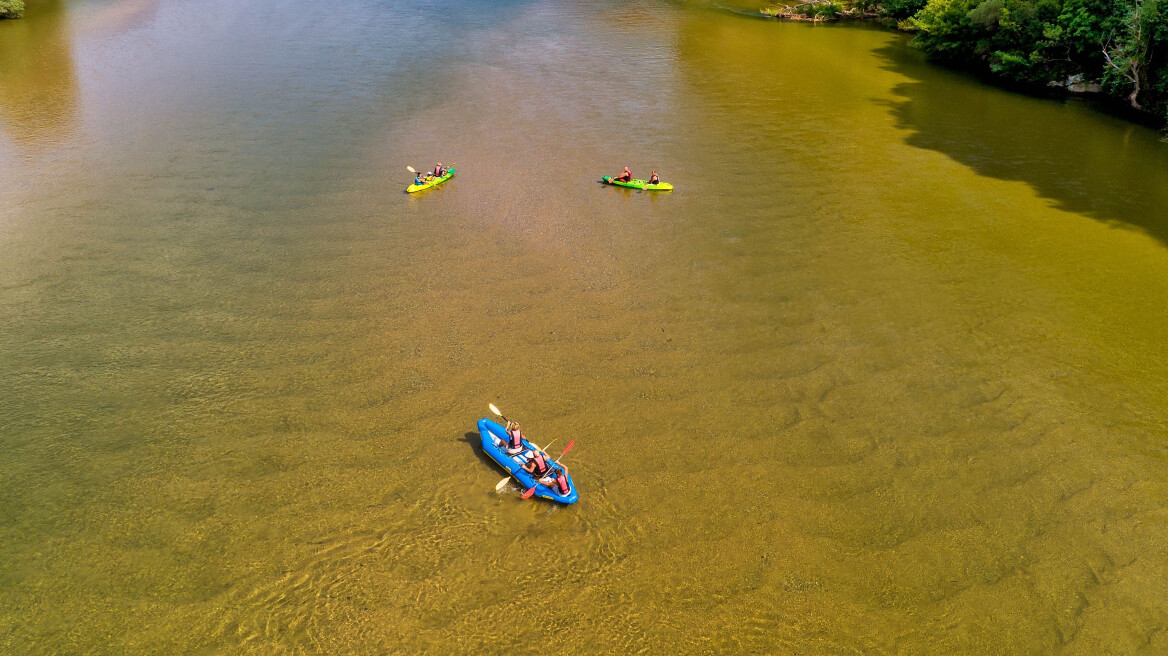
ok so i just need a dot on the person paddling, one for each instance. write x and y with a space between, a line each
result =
558 479
537 465
625 176
438 170
514 439
418 179
654 178
550 474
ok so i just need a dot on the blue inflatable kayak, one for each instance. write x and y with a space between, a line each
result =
494 436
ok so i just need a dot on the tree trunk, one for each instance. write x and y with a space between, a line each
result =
1132 99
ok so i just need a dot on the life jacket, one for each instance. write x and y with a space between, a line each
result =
562 481
437 171
541 466
516 439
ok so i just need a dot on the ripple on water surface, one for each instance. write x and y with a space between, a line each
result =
877 395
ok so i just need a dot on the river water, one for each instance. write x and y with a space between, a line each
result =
884 375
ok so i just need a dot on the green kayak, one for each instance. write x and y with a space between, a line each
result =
434 182
638 184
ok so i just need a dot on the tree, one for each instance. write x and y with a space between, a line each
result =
11 8
1128 48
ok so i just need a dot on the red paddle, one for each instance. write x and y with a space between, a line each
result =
527 494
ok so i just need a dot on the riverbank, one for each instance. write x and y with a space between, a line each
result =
818 11
1115 51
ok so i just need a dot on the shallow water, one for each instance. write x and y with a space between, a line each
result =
899 389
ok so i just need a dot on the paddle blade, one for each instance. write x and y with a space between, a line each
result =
494 409
528 494
570 445
502 484
411 169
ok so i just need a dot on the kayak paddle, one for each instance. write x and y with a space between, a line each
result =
496 411
570 445
503 483
499 486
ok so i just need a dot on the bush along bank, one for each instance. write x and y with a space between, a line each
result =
815 11
1118 48
11 8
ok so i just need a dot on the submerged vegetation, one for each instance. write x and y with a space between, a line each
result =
11 8
1116 47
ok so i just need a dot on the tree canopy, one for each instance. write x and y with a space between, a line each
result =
1120 44
11 8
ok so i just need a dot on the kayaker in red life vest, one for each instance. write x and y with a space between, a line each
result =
438 170
654 179
558 479
543 472
537 465
514 439
624 176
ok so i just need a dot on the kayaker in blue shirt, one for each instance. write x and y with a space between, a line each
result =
625 176
418 179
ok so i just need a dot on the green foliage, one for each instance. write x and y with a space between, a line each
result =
1121 43
11 8
828 10
821 10
901 8
1120 46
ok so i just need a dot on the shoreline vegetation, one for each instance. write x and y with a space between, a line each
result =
1114 49
11 9
819 11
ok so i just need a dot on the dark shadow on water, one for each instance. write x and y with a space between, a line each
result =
1083 160
475 442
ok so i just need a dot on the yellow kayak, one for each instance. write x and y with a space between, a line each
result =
432 183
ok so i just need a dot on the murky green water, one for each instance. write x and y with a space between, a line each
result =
900 389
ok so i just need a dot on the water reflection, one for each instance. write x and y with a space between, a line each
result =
120 16
1086 162
39 95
